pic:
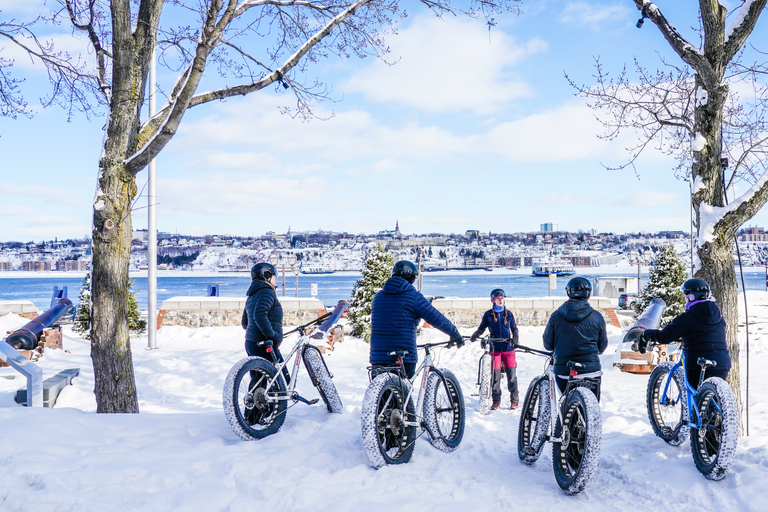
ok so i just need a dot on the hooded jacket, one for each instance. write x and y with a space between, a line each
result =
576 332
263 315
702 330
395 314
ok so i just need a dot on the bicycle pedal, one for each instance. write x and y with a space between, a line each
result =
303 400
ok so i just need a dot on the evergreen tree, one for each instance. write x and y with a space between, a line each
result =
666 276
83 315
377 269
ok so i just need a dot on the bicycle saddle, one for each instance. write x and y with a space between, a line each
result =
398 354
265 343
705 363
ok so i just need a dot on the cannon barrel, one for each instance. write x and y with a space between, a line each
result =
649 319
27 337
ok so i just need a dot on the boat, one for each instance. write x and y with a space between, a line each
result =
315 269
557 267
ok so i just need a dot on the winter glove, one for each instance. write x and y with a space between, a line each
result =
456 339
483 344
474 336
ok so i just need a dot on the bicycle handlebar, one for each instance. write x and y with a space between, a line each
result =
534 351
315 321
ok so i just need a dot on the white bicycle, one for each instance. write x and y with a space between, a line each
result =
390 419
570 420
256 395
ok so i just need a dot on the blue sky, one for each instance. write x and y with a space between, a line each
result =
470 129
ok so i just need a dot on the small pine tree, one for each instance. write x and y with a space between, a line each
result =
83 315
665 277
377 269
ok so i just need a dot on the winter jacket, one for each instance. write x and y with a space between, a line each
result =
702 330
499 329
576 332
263 315
395 313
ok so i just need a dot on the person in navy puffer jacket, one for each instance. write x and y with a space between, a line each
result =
702 329
263 314
500 323
395 314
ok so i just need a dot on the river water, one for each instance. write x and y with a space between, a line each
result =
38 287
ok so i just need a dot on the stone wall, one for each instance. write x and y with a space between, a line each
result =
221 311
535 312
23 308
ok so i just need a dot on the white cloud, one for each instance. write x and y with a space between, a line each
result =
41 194
447 65
596 17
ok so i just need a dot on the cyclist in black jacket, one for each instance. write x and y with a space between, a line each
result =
702 330
576 332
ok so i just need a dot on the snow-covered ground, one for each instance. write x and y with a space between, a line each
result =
181 454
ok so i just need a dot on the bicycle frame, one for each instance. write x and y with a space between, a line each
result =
693 410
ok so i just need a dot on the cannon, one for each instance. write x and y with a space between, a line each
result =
648 319
628 359
28 336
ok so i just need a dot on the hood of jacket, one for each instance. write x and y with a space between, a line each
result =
575 310
395 285
257 285
706 312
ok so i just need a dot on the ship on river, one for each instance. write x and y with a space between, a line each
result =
557 267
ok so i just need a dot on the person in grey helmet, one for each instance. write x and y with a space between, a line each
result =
396 311
263 314
576 332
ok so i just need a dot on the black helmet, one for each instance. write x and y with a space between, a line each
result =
578 288
498 291
406 270
263 271
695 289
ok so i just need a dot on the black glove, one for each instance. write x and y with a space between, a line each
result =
483 344
456 339
474 336
642 345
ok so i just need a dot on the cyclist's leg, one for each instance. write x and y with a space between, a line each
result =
510 367
693 370
496 378
410 369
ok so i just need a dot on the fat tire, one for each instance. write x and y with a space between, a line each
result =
444 410
385 439
669 422
535 420
576 462
486 371
714 445
251 422
321 378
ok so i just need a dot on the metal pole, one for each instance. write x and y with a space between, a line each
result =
283 266
638 275
152 222
297 285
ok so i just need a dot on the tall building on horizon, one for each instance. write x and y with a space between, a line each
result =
548 227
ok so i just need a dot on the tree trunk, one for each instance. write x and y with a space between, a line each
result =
115 386
718 270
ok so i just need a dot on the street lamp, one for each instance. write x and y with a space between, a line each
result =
296 272
292 263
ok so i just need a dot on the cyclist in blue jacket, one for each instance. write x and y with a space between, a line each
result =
500 323
396 311
702 330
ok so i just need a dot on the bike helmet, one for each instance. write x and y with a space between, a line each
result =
578 288
263 271
406 270
497 292
696 289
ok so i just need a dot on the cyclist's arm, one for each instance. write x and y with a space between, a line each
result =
433 317
549 333
672 332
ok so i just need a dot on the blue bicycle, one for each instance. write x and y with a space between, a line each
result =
675 408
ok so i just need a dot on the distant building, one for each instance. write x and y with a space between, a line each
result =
754 234
71 265
5 266
36 266
548 227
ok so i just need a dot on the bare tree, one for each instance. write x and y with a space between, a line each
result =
255 43
709 112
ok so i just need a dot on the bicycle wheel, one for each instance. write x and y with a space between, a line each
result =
714 444
668 419
386 437
534 421
444 410
486 371
321 378
574 457
245 397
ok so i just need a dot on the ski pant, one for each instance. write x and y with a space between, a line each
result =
510 368
562 383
